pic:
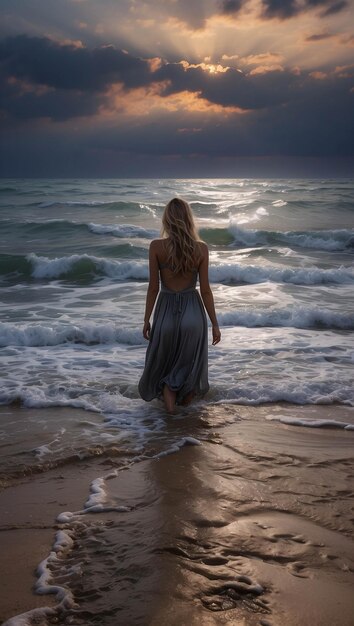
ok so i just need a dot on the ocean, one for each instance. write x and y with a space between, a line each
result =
73 280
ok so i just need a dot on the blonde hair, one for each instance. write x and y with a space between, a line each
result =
183 251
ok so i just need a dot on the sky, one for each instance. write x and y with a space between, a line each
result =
176 88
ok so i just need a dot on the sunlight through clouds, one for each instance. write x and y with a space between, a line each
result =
222 78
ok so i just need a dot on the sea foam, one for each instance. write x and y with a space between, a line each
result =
295 317
12 334
330 240
81 264
104 332
123 230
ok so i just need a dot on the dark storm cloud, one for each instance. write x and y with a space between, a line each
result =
319 37
318 122
46 62
42 78
280 8
231 88
77 78
285 9
232 6
334 8
289 113
19 102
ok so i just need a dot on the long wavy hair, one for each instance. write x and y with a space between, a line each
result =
183 251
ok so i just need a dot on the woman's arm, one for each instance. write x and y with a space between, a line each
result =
153 288
206 293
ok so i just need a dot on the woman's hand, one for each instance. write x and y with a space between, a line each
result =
216 334
146 330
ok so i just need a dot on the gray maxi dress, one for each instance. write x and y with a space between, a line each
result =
177 354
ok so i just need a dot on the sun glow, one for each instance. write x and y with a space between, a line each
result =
212 68
146 101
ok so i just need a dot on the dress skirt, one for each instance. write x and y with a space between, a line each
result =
177 354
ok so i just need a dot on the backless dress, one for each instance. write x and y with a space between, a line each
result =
177 354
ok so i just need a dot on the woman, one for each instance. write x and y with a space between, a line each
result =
176 365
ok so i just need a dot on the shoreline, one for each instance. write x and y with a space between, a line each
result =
253 524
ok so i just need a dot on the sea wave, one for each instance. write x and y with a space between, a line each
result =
90 333
123 230
294 317
316 392
234 273
105 332
231 235
8 189
311 423
84 203
246 393
330 240
77 266
117 205
64 227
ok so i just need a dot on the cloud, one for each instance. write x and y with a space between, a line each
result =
150 107
319 36
264 69
335 8
67 66
231 6
285 9
44 78
264 57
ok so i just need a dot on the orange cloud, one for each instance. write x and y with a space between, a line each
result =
264 69
263 58
318 75
150 100
74 43
154 63
212 68
344 71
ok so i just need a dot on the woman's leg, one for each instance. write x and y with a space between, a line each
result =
188 398
169 397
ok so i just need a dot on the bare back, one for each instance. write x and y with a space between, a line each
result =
175 282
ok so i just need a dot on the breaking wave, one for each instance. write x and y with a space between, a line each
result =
77 266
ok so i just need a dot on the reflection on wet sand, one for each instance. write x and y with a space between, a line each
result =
252 527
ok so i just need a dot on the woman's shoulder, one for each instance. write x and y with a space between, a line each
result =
203 248
157 248
156 243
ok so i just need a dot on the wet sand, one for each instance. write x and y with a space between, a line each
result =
252 527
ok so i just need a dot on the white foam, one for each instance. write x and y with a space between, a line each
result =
98 495
123 230
318 423
87 332
35 616
294 316
234 272
192 441
254 217
40 397
44 267
330 240
43 586
294 392
279 203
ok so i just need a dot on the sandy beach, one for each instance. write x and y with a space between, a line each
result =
250 522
